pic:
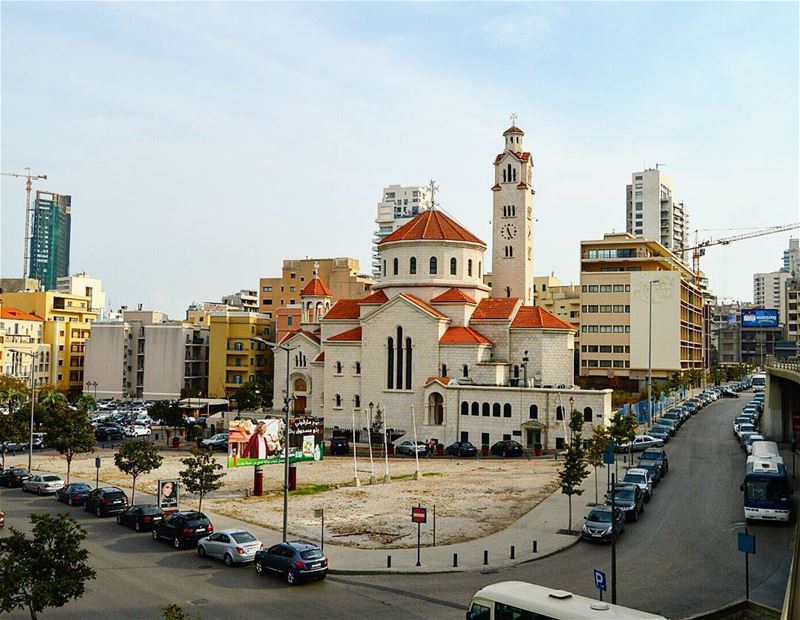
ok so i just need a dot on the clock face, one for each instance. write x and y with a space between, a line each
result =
508 231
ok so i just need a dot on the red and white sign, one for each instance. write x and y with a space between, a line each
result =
419 514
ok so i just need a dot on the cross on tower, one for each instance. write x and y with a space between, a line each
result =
433 188
513 118
316 268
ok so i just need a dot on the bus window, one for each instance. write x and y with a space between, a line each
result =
478 612
509 612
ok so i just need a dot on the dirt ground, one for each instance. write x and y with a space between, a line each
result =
473 498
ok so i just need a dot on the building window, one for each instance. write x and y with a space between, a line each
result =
337 401
587 414
395 266
384 268
464 408
465 370
338 368
357 401
444 370
496 410
390 364
469 268
475 408
358 368
559 413
486 410
533 412
289 321
433 266
453 266
412 265
507 410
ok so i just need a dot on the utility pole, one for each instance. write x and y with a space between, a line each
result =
28 187
650 359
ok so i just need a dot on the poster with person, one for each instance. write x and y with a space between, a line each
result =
168 494
260 442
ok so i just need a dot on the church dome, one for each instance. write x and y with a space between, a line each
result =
432 225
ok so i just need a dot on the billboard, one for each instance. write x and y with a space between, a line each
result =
260 442
168 494
760 317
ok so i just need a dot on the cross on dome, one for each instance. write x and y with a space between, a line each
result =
433 188
514 116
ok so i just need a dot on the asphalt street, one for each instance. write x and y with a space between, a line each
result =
679 559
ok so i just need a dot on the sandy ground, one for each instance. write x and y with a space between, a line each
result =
473 498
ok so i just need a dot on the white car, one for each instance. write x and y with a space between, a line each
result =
642 442
42 484
230 546
137 430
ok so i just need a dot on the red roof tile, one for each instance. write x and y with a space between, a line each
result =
453 296
378 297
496 187
432 225
444 380
320 357
513 129
524 156
463 335
538 317
294 332
344 309
7 312
495 308
351 335
523 185
317 288
417 301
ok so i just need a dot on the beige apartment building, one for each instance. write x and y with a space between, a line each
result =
618 274
22 347
564 301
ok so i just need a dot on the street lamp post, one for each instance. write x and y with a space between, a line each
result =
33 402
386 478
571 409
286 400
525 361
650 358
356 481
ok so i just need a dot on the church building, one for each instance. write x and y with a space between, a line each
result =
472 363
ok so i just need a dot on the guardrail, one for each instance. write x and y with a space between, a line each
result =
791 601
792 363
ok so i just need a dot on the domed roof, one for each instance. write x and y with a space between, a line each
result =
513 129
316 288
432 225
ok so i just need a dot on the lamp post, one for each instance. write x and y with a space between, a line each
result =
33 402
372 479
356 481
525 361
650 358
286 400
386 478
571 409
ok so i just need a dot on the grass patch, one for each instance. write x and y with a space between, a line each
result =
310 489
411 476
432 473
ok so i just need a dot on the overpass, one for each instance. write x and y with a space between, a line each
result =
782 399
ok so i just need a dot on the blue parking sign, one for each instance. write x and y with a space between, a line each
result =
747 542
600 580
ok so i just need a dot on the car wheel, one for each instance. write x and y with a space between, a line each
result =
155 535
259 568
39 491
291 578
137 527
176 543
98 512
201 551
228 560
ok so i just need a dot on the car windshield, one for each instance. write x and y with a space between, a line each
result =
243 537
600 516
311 554
624 494
650 456
637 478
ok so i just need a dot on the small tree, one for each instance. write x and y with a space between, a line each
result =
574 471
86 402
13 428
137 457
69 432
202 474
45 571
175 612
598 444
622 430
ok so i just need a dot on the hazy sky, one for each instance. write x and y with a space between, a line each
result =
203 143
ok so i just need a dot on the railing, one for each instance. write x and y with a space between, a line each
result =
791 604
783 364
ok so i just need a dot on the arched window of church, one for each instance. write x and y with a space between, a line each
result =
399 369
504 175
516 371
507 410
358 368
508 172
469 268
389 364
356 402
587 414
453 266
396 266
464 407
384 268
433 266
337 400
486 410
412 265
444 370
559 413
496 410
514 171
533 412
508 291
408 363
511 251
338 368
475 408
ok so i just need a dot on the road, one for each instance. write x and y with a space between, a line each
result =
679 559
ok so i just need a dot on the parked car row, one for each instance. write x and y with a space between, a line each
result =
746 425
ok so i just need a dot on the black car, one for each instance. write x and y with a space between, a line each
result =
339 445
297 560
507 447
629 499
656 454
141 517
654 467
461 448
105 501
109 432
14 477
728 393
598 524
73 494
183 528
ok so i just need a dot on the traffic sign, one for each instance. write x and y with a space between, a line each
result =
419 514
600 580
747 542
608 458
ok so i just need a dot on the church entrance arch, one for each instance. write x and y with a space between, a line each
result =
435 409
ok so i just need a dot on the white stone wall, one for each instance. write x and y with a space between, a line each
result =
105 359
457 313
549 352
337 326
456 356
499 333
310 350
346 384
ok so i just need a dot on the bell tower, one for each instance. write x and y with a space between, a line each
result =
512 219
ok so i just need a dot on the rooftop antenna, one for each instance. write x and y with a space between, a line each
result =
657 165
433 188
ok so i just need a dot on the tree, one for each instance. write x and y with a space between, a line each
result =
202 474
69 432
168 412
47 570
598 444
253 395
137 457
86 402
13 428
574 471
622 430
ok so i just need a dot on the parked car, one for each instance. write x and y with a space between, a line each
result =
339 446
12 447
507 447
13 477
656 454
640 477
109 432
729 393
183 528
407 447
641 442
41 484
598 524
74 493
137 430
217 442
141 516
660 432
461 448
104 501
38 440
297 560
669 423
629 499
230 546
653 468
743 428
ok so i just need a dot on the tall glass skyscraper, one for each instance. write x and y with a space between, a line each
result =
50 239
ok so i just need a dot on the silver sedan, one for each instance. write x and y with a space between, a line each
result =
42 484
230 546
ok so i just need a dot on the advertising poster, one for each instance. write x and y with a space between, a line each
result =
168 494
760 317
260 442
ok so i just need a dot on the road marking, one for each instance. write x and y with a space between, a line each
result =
421 597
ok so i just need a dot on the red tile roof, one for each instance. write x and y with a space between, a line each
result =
538 317
432 225
444 380
463 335
7 312
378 297
496 187
523 185
525 156
351 335
495 308
344 309
417 301
317 288
513 129
320 357
294 332
453 296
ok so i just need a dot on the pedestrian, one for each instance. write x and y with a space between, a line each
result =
430 447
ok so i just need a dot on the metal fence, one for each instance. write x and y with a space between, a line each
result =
642 411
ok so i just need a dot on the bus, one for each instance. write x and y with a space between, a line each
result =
767 491
517 600
759 382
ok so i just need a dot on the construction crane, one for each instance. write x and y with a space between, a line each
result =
28 186
699 249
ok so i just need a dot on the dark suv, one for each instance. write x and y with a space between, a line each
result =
297 560
339 445
14 477
629 499
141 517
109 432
183 528
656 454
507 447
106 501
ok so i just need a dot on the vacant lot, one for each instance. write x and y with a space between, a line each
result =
472 497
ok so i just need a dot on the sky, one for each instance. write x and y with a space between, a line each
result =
203 143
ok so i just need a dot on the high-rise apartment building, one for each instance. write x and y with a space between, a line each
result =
619 273
791 259
769 291
234 357
245 299
52 214
398 205
791 311
652 212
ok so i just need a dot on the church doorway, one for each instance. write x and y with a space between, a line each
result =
299 405
436 409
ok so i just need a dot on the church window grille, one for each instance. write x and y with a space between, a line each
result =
433 266
453 266
399 366
390 364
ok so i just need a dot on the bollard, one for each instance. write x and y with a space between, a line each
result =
534 546
512 552
388 561
485 557
455 560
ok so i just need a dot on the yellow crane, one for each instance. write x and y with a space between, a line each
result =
28 186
